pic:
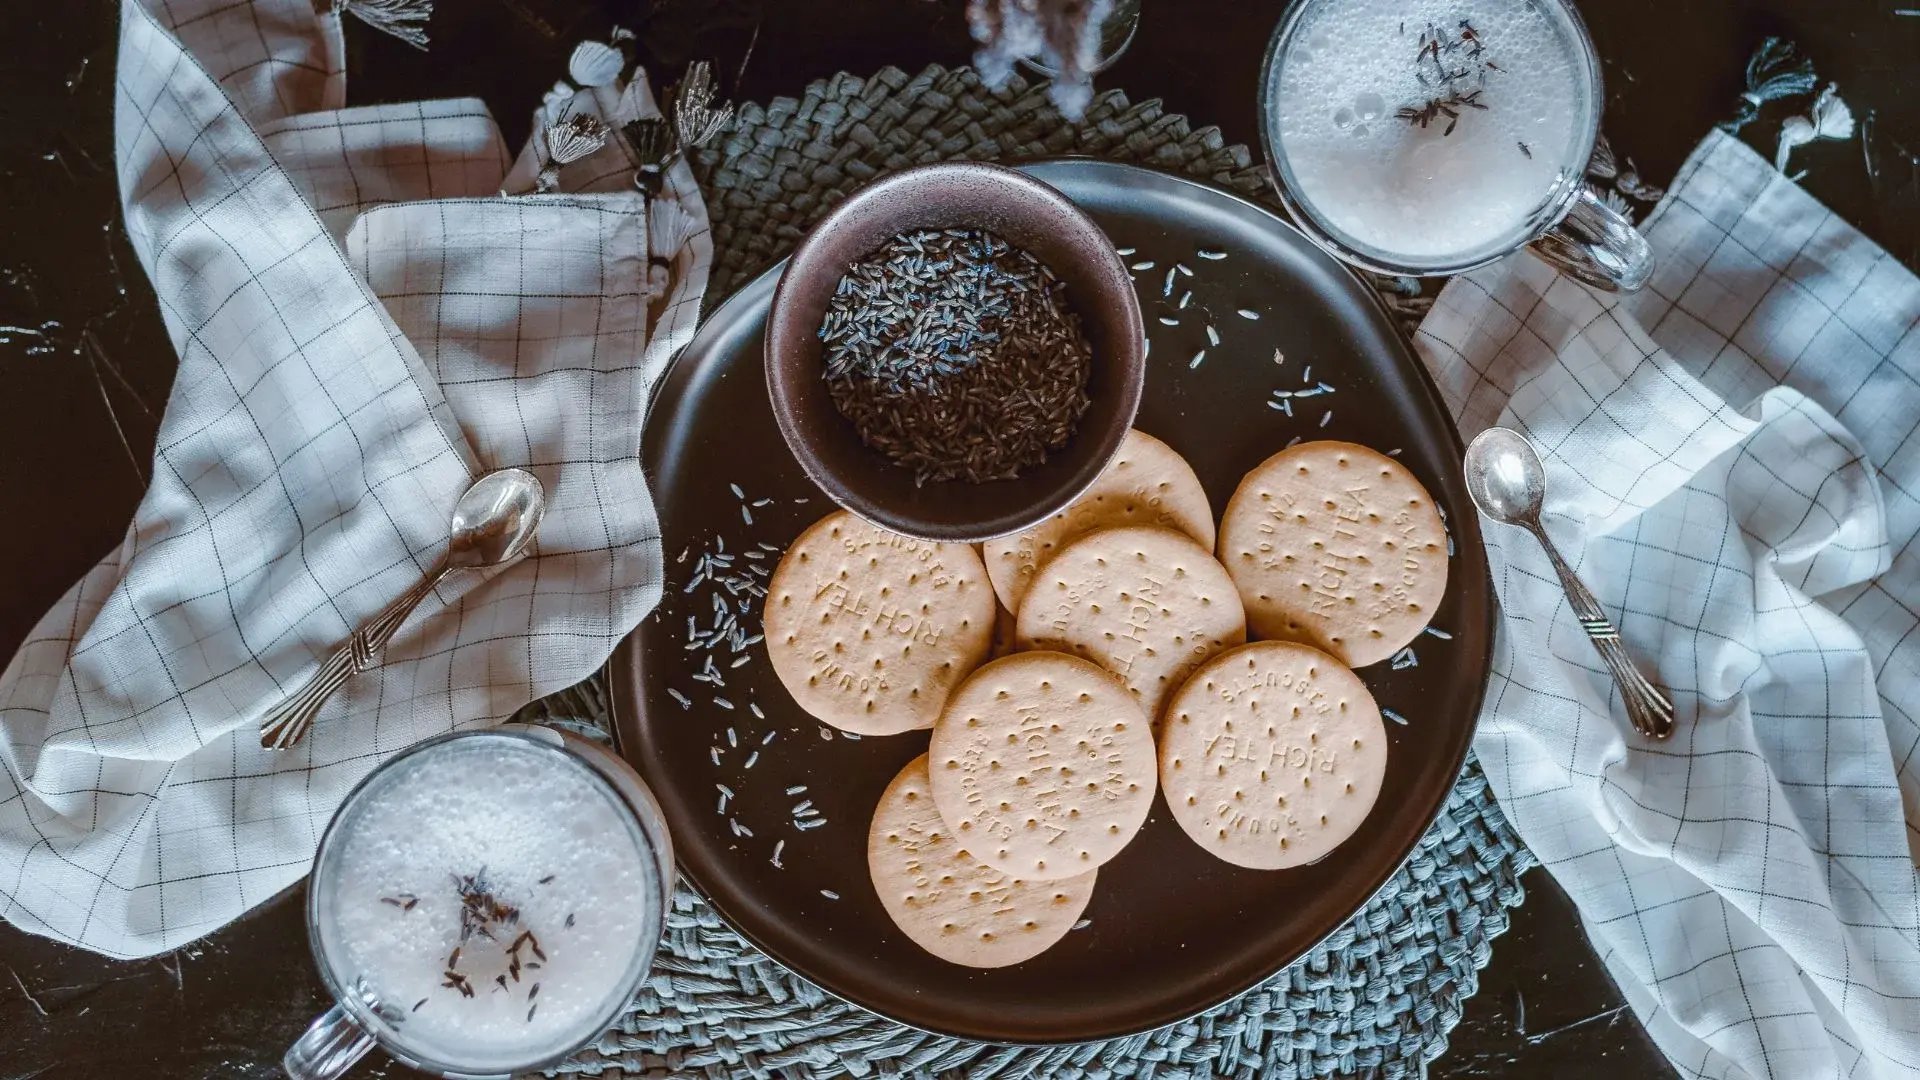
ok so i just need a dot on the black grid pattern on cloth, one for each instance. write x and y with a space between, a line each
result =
359 331
1750 884
349 160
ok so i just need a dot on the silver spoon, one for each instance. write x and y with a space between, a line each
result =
493 523
1508 483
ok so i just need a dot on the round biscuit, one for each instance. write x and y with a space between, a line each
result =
951 904
869 630
1337 546
1146 483
1043 765
1272 754
1146 603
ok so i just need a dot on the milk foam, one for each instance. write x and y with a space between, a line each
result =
1414 195
523 815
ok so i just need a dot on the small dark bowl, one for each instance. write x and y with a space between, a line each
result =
1030 215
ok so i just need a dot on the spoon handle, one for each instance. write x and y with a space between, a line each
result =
288 723
1649 710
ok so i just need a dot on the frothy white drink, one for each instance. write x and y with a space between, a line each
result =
1430 132
492 898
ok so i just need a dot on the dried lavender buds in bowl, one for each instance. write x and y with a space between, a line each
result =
955 354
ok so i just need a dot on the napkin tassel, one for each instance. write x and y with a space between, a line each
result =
1776 70
668 228
574 137
1830 119
404 19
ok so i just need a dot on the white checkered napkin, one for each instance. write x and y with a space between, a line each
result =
1751 882
346 160
364 324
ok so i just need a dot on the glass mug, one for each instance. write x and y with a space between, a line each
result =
1432 137
1117 30
471 882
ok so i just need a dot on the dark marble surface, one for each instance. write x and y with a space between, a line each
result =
85 367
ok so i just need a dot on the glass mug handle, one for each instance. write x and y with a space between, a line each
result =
329 1048
1593 243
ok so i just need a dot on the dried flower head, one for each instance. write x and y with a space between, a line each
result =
697 115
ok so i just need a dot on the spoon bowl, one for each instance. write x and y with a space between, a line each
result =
496 518
1505 477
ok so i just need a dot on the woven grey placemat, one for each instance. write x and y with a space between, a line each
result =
1376 998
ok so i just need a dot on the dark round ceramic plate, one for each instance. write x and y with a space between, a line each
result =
1171 930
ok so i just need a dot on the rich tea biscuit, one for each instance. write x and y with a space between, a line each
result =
1337 546
951 904
870 631
1146 483
1272 754
1043 764
1146 603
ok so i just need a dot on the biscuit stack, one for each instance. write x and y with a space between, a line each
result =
1121 665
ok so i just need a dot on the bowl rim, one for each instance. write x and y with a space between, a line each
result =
1129 358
